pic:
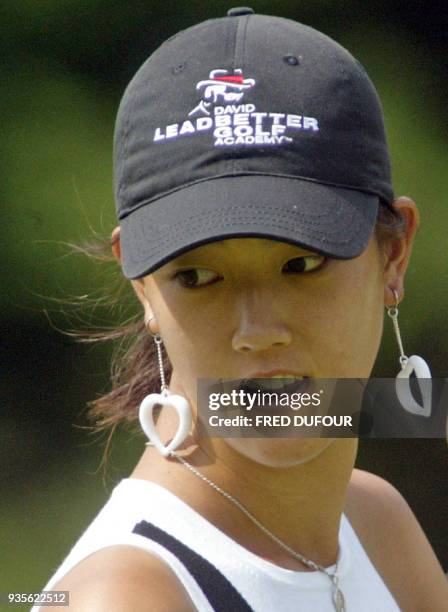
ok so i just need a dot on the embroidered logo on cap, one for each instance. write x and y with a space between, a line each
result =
221 87
235 124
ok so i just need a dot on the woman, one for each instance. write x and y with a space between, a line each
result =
260 232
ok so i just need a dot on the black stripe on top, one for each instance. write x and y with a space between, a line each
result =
221 593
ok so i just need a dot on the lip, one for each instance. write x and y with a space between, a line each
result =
299 382
278 372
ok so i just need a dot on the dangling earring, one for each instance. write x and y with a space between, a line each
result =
409 365
164 398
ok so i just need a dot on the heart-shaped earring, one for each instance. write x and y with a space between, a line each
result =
164 398
419 366
409 365
146 416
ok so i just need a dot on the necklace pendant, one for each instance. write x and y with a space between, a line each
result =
338 600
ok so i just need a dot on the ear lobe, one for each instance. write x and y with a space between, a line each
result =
389 295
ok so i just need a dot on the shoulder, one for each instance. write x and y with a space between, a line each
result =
120 578
396 543
367 487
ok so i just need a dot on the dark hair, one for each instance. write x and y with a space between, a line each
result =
134 370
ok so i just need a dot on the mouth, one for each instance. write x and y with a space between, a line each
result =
279 383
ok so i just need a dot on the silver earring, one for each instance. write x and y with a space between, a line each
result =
409 365
164 398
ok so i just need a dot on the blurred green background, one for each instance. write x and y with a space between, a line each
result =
64 66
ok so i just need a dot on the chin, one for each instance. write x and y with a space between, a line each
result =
280 452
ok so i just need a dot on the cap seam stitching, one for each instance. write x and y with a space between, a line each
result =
246 173
245 22
321 235
275 218
240 25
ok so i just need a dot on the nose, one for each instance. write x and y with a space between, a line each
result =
259 328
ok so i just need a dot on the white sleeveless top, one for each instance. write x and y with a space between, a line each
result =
264 586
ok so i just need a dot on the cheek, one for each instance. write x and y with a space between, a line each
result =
351 323
193 332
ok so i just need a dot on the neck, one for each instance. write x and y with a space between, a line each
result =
301 502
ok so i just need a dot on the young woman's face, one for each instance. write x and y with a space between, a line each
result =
252 307
245 306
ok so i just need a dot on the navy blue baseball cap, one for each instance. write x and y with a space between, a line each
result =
248 125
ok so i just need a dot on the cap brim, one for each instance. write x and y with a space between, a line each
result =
327 219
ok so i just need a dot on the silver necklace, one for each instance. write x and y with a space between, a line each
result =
337 595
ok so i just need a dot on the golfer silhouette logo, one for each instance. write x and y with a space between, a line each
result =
221 87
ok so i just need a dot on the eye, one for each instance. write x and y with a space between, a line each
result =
307 263
197 277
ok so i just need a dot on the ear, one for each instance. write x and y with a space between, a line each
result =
138 285
140 288
115 244
399 251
